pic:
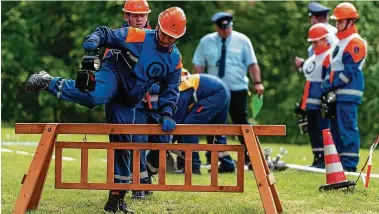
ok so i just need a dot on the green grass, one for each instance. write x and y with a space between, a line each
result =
297 190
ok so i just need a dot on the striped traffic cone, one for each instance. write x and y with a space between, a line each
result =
335 176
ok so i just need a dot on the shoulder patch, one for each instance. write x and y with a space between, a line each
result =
135 35
357 49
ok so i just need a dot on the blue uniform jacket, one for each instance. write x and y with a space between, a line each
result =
348 82
208 85
131 73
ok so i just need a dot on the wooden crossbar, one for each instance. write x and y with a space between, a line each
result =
33 182
181 129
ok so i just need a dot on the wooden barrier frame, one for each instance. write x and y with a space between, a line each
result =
33 181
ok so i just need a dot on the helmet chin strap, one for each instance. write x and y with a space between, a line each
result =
347 23
160 48
129 19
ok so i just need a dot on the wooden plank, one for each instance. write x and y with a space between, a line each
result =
214 168
84 166
181 129
152 187
58 164
259 170
41 156
240 170
151 146
136 166
110 166
188 168
36 197
162 167
274 192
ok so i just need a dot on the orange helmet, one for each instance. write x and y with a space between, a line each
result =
173 22
136 7
345 10
317 32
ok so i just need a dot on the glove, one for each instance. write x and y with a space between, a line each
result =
38 81
90 46
168 124
326 87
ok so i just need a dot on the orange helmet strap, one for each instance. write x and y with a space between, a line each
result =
347 23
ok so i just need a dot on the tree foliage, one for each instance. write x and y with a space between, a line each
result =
48 35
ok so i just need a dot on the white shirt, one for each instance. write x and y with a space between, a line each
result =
239 56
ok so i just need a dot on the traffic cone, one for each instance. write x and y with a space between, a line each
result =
335 176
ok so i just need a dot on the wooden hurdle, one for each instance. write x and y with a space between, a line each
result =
33 181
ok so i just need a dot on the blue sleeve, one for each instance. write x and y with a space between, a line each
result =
105 90
182 107
169 93
343 77
109 38
199 56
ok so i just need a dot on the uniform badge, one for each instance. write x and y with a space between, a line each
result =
310 67
356 49
155 69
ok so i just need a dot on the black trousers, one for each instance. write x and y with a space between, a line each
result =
238 113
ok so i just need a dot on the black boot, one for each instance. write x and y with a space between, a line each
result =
112 203
318 161
122 205
138 194
149 181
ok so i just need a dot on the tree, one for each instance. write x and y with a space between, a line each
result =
48 35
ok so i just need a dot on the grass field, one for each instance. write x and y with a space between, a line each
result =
298 190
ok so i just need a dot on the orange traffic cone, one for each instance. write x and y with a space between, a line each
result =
335 176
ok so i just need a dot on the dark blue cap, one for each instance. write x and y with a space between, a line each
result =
317 9
223 20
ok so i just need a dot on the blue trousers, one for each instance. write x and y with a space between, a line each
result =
345 132
144 116
315 126
120 114
210 110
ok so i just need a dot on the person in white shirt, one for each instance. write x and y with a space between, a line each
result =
229 54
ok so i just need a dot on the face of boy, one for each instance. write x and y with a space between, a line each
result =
137 20
319 43
164 39
341 24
